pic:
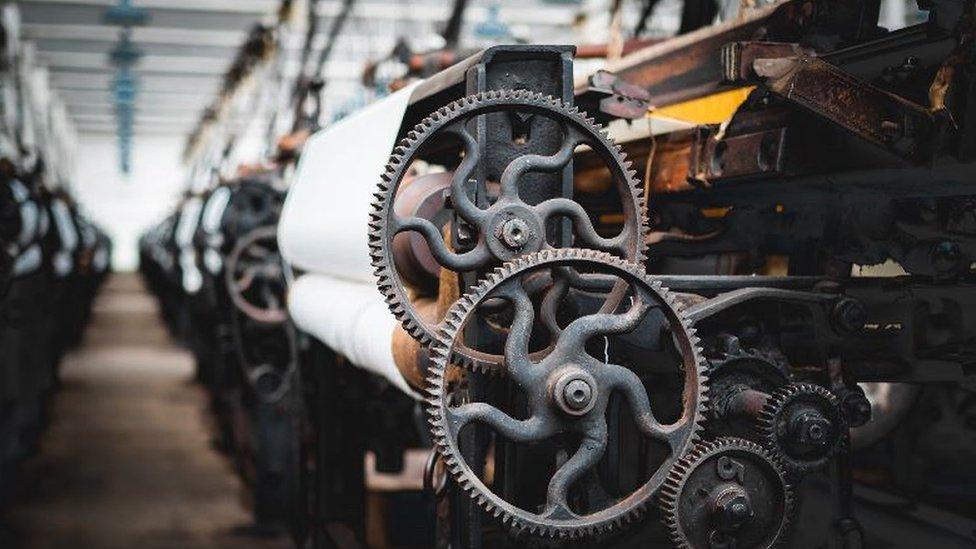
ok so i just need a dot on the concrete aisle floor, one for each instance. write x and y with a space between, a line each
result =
127 459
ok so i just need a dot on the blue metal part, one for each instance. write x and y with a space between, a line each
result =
126 15
125 86
492 28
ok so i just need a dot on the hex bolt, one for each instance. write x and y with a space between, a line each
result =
515 233
850 316
574 391
732 509
577 394
811 429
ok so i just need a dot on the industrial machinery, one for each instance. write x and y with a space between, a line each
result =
719 294
680 335
52 259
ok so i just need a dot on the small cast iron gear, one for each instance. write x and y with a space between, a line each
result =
384 225
557 521
729 492
729 372
804 425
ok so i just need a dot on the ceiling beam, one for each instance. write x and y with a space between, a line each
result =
167 84
428 12
247 7
59 61
108 108
145 35
69 94
178 120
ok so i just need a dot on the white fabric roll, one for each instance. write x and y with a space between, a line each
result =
324 222
351 318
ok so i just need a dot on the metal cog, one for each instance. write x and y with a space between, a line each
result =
445 423
729 372
381 232
241 273
692 521
772 428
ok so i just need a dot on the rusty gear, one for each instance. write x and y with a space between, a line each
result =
804 425
727 493
729 372
509 227
567 393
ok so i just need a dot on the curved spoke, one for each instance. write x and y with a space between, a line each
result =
517 344
467 209
584 227
535 163
579 331
587 455
246 278
623 380
550 303
467 261
529 430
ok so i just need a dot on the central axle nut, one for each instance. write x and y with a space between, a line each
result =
577 394
574 392
812 429
515 233
731 509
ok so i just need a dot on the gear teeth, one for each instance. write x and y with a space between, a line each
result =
777 403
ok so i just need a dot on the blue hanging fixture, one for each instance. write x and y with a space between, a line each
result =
125 86
492 29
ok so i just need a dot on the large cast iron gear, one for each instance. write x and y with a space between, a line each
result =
566 394
804 425
509 227
728 493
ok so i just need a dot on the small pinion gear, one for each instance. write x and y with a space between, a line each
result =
508 227
729 492
804 425
566 395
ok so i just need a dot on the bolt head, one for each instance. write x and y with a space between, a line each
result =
812 429
515 233
850 316
574 391
732 509
577 394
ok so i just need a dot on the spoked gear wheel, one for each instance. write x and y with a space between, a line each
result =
508 227
727 493
567 396
804 425
255 273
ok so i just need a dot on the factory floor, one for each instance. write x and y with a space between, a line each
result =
127 459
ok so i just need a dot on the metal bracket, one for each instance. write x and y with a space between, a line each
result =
619 98
891 122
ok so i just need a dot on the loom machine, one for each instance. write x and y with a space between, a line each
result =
707 297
